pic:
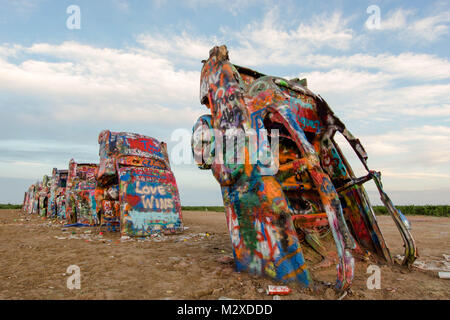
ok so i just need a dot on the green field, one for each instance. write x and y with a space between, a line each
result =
10 206
426 210
203 208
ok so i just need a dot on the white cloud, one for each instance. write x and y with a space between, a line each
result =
416 158
395 19
415 29
346 80
269 40
431 28
178 46
425 146
408 65
94 82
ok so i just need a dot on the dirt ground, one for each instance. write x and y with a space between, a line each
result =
35 254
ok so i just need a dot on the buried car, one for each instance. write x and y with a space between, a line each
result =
30 199
80 193
56 202
293 193
135 178
44 195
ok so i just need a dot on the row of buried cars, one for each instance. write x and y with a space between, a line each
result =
132 189
302 210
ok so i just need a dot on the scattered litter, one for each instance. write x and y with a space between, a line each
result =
444 275
446 257
432 265
225 298
343 296
399 259
82 236
260 290
278 290
169 291
276 297
391 290
193 236
76 225
126 238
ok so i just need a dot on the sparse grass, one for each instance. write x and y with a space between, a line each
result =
10 206
426 210
203 208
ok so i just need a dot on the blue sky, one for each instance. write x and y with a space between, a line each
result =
134 66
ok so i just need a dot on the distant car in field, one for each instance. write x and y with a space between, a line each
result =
29 199
44 194
135 177
56 202
80 193
35 201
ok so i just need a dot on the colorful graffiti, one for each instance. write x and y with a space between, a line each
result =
80 201
134 174
312 203
30 204
44 194
56 202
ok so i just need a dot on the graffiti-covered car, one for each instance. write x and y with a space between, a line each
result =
80 193
135 176
36 196
44 194
293 192
30 199
56 203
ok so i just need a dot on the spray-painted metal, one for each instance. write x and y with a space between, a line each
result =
302 191
135 176
36 196
29 199
44 195
56 202
80 191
